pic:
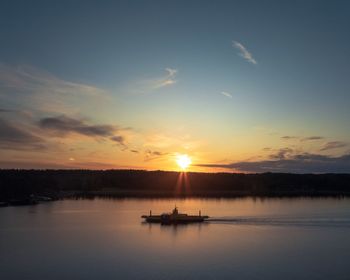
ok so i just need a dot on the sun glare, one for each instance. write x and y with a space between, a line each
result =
183 161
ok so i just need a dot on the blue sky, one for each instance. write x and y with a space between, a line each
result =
222 81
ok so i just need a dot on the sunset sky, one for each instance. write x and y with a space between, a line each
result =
238 86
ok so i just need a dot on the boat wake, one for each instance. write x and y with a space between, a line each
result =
282 221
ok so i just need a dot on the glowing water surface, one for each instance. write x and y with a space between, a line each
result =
245 239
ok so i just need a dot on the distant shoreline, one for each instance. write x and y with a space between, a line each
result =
56 184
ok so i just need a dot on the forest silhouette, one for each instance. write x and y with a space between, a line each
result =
16 184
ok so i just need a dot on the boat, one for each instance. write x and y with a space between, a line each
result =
174 218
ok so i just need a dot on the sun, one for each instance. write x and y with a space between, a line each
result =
183 161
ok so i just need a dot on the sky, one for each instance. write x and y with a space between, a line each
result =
238 86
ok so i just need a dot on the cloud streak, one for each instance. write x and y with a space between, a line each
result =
243 52
312 138
29 88
304 139
15 138
287 137
32 79
63 125
152 155
333 145
301 163
282 153
168 80
224 93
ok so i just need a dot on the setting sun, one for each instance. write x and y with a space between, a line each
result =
183 161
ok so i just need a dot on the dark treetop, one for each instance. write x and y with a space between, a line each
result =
137 183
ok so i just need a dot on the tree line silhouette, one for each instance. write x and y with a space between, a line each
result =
23 183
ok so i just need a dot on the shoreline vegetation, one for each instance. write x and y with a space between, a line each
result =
18 187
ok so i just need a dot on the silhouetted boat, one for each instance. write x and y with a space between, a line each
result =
174 218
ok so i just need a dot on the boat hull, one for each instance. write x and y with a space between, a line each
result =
174 220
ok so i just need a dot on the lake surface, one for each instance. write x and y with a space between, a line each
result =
246 239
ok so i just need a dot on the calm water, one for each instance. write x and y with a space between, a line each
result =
247 239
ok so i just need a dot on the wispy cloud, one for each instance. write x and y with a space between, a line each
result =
243 52
302 139
153 84
282 153
29 88
152 155
288 137
12 136
63 125
299 163
29 78
312 138
333 145
168 80
229 95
